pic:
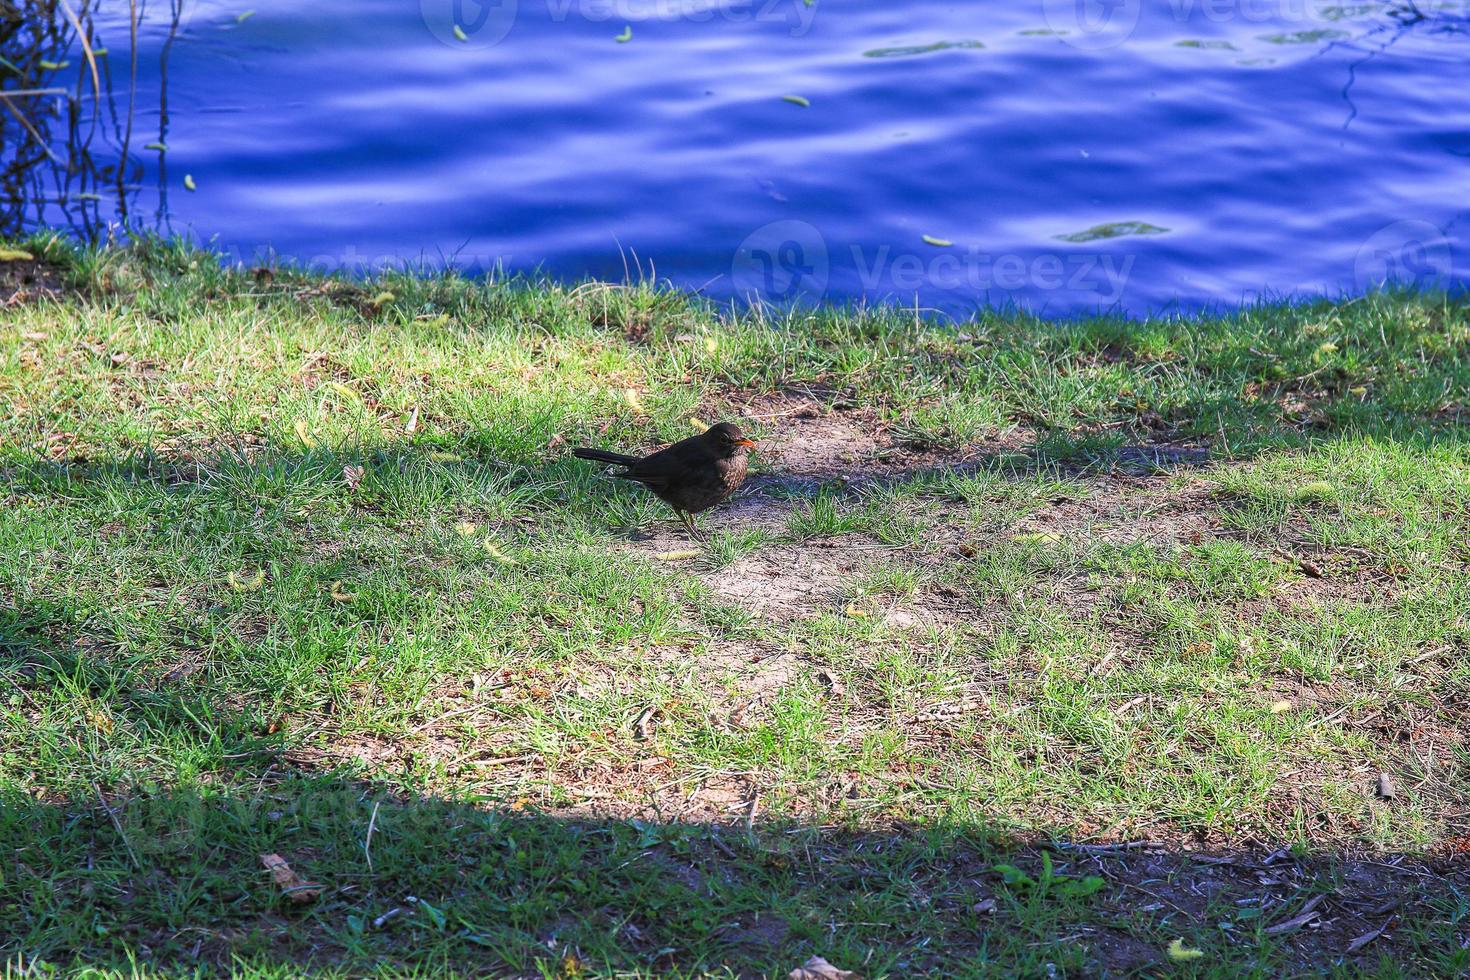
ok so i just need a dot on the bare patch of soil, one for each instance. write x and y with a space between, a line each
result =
814 439
792 581
28 280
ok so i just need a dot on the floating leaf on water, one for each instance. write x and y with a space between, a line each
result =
1115 229
460 34
55 65
676 555
243 16
918 49
89 197
15 255
1040 32
189 184
160 147
493 550
242 584
626 36
100 52
1306 37
1206 45
631 396
304 434
800 100
1180 953
937 242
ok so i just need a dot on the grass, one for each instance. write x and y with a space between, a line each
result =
1032 647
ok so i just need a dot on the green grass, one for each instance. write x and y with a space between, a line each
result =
284 558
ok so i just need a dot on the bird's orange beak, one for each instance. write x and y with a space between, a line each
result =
746 442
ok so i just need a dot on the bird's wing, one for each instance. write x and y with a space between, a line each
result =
672 464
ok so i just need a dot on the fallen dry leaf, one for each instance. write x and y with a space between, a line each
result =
643 724
292 885
304 434
1037 537
817 968
412 425
1281 707
353 475
241 584
1180 953
493 550
676 555
338 594
834 684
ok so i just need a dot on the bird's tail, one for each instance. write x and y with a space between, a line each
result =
602 456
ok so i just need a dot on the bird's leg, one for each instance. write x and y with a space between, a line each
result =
689 525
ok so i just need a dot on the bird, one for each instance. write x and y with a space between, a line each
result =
691 475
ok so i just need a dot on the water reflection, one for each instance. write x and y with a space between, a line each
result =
70 141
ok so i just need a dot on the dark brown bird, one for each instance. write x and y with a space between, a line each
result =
690 476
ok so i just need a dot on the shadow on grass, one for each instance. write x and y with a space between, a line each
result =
138 874
173 878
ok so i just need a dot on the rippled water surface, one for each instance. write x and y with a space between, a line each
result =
1066 155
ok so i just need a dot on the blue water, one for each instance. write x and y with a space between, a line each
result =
1075 154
